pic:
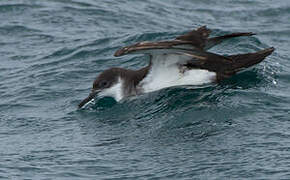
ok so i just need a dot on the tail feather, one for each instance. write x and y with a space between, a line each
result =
242 61
216 40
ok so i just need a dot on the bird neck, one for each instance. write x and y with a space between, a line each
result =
131 80
141 74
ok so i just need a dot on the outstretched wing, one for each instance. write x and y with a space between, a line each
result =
185 49
223 66
196 40
226 66
188 50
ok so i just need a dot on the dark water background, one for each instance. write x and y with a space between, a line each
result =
51 51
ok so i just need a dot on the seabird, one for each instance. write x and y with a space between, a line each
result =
182 61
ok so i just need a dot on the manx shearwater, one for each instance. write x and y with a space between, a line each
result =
182 61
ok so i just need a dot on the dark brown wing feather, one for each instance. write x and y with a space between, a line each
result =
197 37
149 47
196 40
241 61
226 66
216 40
194 44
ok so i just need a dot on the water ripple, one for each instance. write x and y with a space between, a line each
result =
51 51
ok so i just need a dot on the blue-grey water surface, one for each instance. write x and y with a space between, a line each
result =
51 51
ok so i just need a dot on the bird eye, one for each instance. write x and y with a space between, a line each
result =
104 84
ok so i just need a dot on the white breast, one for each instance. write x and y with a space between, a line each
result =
115 91
166 72
174 78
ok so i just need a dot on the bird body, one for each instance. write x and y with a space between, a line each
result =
173 74
182 61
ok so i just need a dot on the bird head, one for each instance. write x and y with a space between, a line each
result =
106 84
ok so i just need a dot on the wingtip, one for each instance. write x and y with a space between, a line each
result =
268 50
119 52
247 34
242 34
271 49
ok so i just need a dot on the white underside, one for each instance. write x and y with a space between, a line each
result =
169 78
167 71
173 77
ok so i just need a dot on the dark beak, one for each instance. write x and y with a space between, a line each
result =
91 96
